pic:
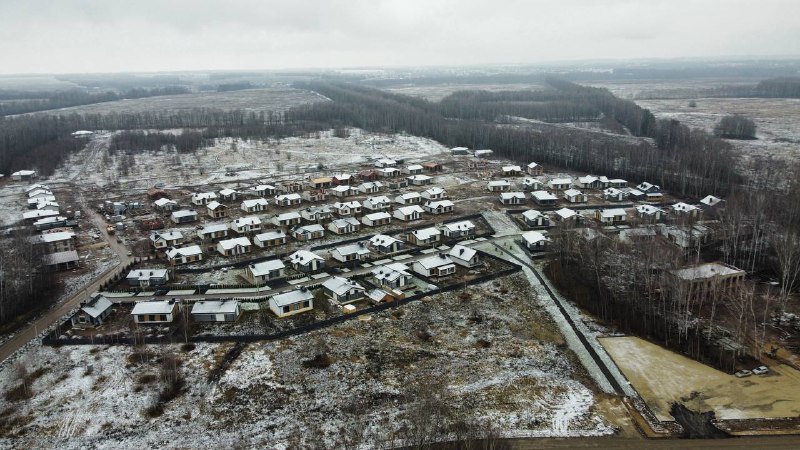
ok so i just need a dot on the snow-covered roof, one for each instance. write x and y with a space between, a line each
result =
146 274
409 210
559 181
184 213
263 187
351 204
36 186
612 212
40 193
435 204
164 202
24 173
341 286
390 272
419 178
510 195
153 307
528 181
48 220
96 306
435 261
414 167
215 307
378 216
382 240
371 184
226 192
288 216
707 270
572 192
60 257
611 192
39 213
566 213
344 222
341 188
461 252
228 244
426 233
215 205
462 225
292 196
533 165
270 235
648 210
543 195
265 267
168 236
352 249
532 214
213 228
292 297
710 200
191 250
512 169
496 183
377 200
303 257
683 207
251 203
533 237
55 237
409 195
435 190
312 228
247 221
204 196
645 186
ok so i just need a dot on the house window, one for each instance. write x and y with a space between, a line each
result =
141 318
306 304
82 319
286 309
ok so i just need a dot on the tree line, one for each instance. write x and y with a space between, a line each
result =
22 102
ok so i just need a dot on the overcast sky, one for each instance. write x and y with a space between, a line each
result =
59 36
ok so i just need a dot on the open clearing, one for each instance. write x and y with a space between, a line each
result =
662 377
434 93
269 99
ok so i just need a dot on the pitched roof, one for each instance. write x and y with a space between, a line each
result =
435 261
265 267
303 257
191 250
228 244
153 307
215 307
533 237
341 286
461 252
291 297
96 306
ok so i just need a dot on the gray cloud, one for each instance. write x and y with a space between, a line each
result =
148 35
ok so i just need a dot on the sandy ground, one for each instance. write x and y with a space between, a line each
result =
662 377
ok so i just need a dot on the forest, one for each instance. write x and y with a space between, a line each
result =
21 102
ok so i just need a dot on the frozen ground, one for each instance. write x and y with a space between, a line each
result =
269 99
489 359
437 92
247 160
13 202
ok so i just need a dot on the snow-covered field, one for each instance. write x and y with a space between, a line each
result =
487 360
251 159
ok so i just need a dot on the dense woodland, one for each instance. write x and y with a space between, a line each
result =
735 127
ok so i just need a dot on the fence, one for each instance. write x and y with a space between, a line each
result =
108 340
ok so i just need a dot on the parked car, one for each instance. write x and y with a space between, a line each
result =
761 370
743 373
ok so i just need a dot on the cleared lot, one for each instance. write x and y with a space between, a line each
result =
662 377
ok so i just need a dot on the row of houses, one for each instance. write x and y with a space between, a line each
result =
613 216
588 182
56 240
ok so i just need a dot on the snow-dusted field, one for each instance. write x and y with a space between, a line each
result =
227 162
486 361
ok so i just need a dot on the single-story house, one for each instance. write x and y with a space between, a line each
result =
376 219
385 162
249 224
183 216
379 203
228 195
512 198
648 188
439 207
345 209
270 239
147 277
316 213
420 180
434 193
385 244
213 231
61 260
432 166
370 187
284 200
306 261
544 198
709 202
389 172
165 204
288 187
534 240
342 178
459 151
263 190
351 252
685 210
254 205
343 290
216 311
511 171
317 195
235 246
203 198
485 153
560 183
534 218
412 169
531 184
394 275
345 225
165 240
593 182
650 213
184 255
613 194
408 213
435 266
21 175
565 215
292 302
460 229
320 182
286 219
498 185
155 311
308 232
611 216
464 256
408 198
92 312
343 190
575 196
425 236
265 271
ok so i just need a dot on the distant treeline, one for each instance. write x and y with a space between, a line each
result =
21 102
787 87
130 141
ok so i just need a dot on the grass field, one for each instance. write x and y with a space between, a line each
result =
662 377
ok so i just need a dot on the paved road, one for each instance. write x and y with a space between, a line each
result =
29 332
